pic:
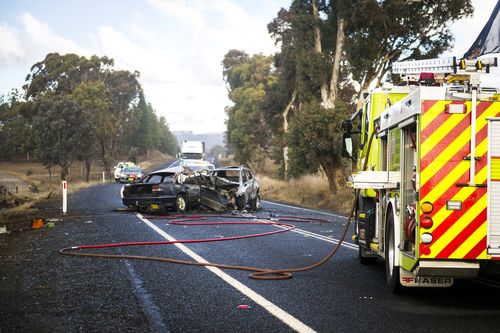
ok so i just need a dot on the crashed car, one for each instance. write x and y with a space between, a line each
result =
238 184
130 174
161 190
226 188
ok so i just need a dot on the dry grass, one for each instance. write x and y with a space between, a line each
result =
309 191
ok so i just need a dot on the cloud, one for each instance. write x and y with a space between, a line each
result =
11 50
40 39
180 10
153 64
32 42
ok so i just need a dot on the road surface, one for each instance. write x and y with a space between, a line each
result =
43 291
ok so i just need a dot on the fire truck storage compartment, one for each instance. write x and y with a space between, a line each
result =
494 186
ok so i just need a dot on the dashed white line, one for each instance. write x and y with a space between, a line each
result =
273 309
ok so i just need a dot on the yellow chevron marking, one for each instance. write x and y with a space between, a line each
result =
458 226
472 241
445 156
454 147
461 195
483 255
443 131
451 179
448 181
432 113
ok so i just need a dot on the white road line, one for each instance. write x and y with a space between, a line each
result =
273 309
324 238
305 209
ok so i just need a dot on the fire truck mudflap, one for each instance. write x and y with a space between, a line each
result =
409 279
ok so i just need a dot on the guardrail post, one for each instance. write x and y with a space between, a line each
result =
65 196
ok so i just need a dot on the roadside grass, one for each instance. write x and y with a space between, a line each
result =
309 191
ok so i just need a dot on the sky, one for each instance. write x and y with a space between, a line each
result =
176 45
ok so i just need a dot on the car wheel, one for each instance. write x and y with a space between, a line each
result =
255 203
240 202
391 271
180 203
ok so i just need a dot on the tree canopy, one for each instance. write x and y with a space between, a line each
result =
74 108
330 52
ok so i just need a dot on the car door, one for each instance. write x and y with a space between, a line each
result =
251 188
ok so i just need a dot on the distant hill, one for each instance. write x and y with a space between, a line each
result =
210 139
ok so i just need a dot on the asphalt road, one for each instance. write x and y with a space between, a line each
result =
43 291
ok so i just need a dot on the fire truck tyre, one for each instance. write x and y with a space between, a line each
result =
255 203
391 271
240 202
364 257
180 203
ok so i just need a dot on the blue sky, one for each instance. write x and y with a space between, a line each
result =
176 45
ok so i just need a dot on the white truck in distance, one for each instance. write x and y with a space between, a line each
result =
192 150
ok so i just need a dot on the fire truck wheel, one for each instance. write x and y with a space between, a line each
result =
391 271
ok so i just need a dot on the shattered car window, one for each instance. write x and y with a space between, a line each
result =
232 175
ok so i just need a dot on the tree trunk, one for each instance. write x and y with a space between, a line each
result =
50 177
285 113
64 171
330 175
334 82
105 157
88 165
317 46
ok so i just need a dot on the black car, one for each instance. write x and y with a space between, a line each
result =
161 190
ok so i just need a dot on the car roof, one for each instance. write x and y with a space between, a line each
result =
162 172
231 168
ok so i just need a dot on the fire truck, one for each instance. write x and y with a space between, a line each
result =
427 177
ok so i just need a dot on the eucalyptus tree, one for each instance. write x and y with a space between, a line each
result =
326 46
247 79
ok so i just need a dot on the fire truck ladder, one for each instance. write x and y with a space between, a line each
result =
448 65
448 70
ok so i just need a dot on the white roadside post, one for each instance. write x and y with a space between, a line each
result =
65 196
103 176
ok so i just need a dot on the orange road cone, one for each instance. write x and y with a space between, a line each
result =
37 223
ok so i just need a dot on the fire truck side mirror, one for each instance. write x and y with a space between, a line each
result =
346 145
347 126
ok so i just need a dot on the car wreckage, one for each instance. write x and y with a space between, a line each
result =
218 189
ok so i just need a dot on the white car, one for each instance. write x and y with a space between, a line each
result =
119 169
